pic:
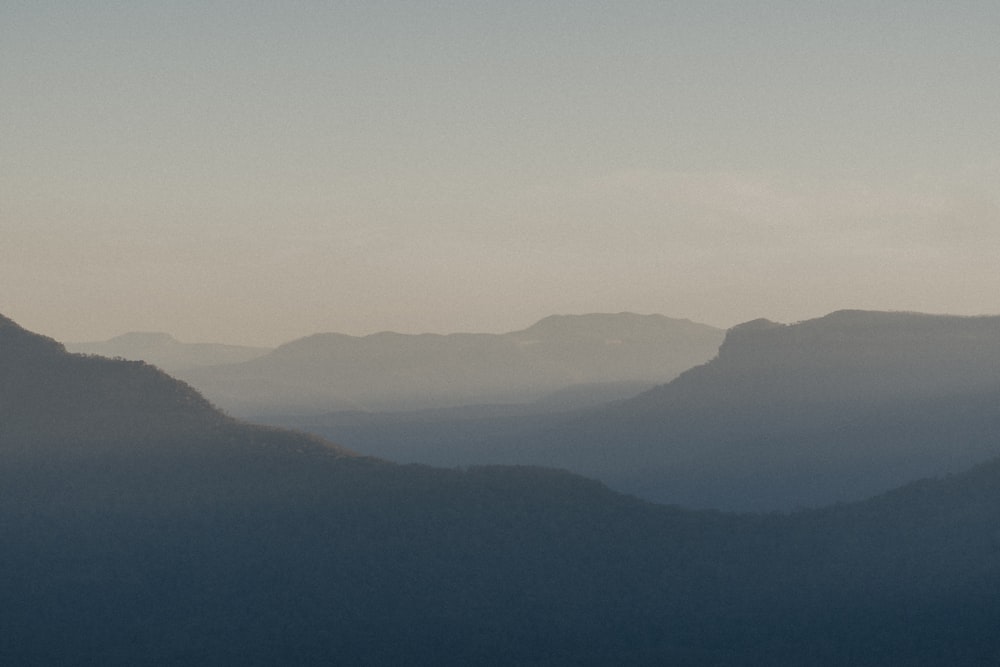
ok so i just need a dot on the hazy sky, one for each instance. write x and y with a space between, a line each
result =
253 172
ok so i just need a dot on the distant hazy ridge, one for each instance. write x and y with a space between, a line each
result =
390 371
833 409
166 352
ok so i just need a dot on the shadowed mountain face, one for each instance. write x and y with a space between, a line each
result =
229 545
164 351
834 409
389 371
50 396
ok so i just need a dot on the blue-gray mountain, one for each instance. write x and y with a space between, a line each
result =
834 409
132 537
390 371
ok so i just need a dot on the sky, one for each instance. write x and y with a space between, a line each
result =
254 172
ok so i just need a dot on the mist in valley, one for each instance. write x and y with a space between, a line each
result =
499 334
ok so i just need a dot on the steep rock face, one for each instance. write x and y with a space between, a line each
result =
848 357
865 356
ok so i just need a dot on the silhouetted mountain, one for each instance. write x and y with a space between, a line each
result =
48 395
226 545
166 352
389 371
834 409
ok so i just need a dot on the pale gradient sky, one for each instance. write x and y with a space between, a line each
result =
254 172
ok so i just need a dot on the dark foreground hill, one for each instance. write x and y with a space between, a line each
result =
217 543
80 405
391 371
828 410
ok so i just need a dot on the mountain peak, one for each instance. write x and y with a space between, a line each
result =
614 325
575 320
759 324
740 335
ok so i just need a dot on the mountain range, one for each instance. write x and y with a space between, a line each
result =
834 409
143 527
168 353
600 353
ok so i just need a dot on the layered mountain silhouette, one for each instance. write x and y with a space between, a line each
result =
598 354
225 544
828 410
52 397
166 352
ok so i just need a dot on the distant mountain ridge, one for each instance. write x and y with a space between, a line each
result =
849 355
166 352
391 371
220 543
833 409
50 395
